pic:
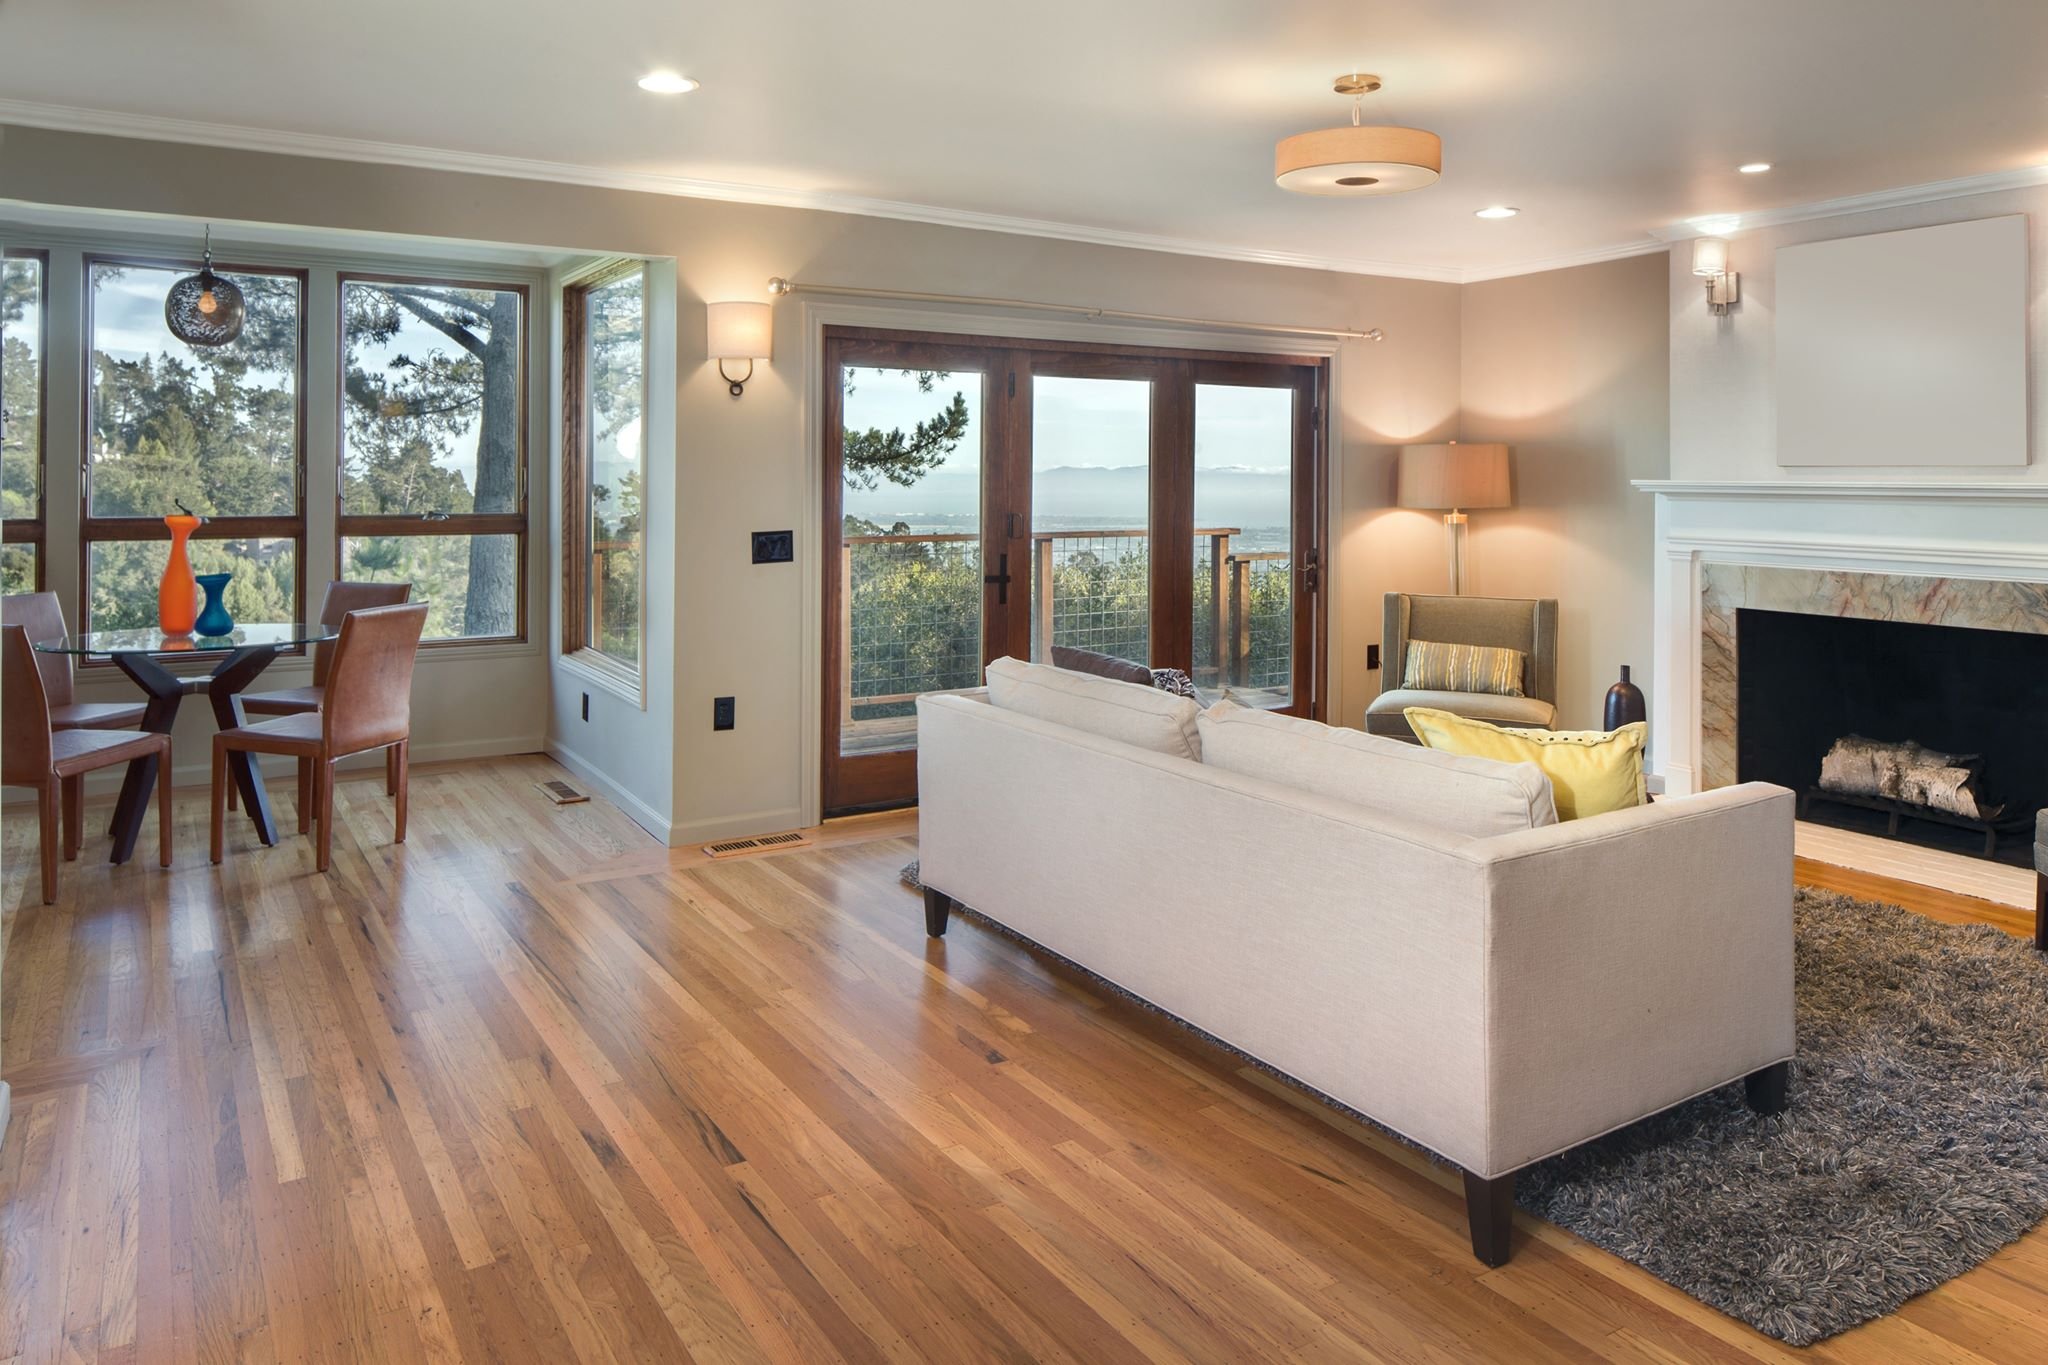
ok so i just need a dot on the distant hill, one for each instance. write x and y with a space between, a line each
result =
1083 495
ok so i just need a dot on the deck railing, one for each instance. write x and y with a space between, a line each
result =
910 610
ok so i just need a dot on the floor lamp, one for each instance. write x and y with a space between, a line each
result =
1452 478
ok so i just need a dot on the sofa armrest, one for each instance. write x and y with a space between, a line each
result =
1634 960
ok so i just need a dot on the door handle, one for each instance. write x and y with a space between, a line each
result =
1001 579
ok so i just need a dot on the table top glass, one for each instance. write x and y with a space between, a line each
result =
273 634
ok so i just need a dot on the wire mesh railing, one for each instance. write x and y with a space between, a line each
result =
911 612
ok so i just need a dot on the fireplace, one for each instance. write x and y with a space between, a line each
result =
1808 680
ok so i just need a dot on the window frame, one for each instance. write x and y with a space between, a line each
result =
576 644
106 530
513 523
25 530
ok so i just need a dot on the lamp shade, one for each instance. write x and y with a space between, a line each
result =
1709 256
1440 477
739 331
1358 160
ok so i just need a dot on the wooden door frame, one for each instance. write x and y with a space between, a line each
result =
1010 362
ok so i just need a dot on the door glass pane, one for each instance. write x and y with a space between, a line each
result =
214 427
910 569
1244 542
122 577
440 569
1091 455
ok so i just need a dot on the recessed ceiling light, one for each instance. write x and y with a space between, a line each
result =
1497 211
667 83
1754 167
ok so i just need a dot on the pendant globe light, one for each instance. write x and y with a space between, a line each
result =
1363 159
204 309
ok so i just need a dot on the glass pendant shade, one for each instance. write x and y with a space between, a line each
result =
204 309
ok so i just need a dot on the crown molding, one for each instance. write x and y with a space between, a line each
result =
2019 178
1890 490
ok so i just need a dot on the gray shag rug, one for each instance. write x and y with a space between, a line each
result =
1916 1144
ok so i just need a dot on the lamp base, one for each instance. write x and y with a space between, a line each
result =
1454 548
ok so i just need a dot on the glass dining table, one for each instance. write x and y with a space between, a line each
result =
238 656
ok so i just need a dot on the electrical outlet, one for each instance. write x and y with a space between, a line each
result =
774 547
721 713
586 706
1372 657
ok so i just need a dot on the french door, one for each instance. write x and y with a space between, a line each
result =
993 497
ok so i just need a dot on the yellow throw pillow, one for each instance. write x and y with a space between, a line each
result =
1591 772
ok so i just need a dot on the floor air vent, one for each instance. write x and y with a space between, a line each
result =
560 792
766 843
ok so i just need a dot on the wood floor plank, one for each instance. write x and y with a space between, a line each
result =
533 1088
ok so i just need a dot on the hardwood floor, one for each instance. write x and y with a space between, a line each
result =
531 1088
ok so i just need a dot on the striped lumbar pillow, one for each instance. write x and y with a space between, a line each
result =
1434 667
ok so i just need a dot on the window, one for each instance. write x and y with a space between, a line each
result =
23 311
433 448
605 453
219 429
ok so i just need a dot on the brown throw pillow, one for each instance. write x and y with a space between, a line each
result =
1101 665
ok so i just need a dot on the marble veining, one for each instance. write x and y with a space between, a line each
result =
1982 604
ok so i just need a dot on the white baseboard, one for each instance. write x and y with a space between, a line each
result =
735 826
642 814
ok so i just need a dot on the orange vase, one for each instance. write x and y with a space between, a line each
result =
177 600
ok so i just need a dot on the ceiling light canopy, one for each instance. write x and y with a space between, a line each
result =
1362 159
1754 167
1497 211
667 83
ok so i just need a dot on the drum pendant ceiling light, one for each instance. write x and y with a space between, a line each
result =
204 309
1362 159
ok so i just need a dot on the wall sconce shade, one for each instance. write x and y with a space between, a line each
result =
1710 263
741 330
1449 478
1453 476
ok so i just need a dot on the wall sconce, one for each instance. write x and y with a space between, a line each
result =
1710 262
739 331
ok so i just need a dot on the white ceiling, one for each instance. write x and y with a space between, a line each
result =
1153 121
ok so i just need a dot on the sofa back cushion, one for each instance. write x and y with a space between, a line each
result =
1123 711
1472 796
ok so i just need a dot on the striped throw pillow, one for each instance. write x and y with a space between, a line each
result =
1434 667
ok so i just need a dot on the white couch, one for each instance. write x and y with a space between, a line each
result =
1496 999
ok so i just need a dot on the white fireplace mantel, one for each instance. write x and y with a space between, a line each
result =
1948 530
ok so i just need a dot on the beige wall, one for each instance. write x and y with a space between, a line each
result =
1571 368
1724 412
742 465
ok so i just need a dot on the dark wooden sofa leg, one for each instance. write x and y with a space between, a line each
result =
938 908
1770 1090
1490 1209
2041 911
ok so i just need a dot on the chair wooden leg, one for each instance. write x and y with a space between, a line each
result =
305 795
2041 911
398 768
217 800
72 793
46 812
233 802
163 808
326 813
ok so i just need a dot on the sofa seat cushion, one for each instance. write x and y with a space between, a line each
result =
1384 715
1132 714
1591 772
1472 796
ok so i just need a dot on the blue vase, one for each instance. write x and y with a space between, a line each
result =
213 615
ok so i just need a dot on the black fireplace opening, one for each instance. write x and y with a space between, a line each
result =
1804 682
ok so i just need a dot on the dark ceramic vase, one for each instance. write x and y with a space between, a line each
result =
213 616
1625 703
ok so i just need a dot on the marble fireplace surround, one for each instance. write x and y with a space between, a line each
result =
1956 554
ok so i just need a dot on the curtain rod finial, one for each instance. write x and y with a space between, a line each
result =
778 285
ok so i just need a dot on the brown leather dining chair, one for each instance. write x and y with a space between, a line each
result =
368 706
33 753
41 615
341 599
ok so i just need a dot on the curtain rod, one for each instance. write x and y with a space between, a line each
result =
779 286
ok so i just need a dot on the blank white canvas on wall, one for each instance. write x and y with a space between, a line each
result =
1905 348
